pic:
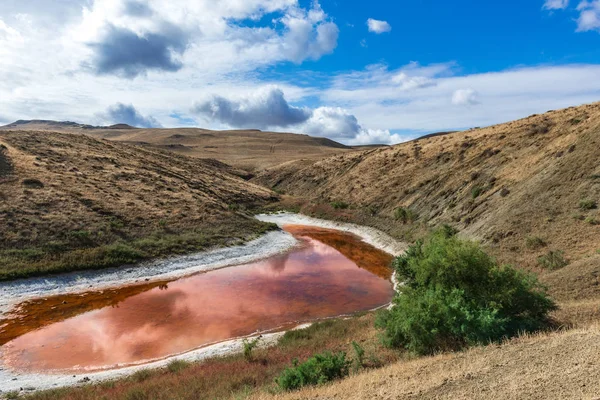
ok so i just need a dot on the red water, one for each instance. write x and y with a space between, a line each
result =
311 282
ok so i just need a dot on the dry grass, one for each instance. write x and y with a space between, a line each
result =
250 150
559 365
72 202
501 184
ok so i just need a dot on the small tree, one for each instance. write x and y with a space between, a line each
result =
455 295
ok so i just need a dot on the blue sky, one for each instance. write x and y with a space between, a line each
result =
354 71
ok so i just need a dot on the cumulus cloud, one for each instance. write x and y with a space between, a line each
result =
509 95
556 4
378 27
589 16
268 109
125 53
130 37
264 109
128 114
333 122
308 36
464 97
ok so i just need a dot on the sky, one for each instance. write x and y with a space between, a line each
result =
358 72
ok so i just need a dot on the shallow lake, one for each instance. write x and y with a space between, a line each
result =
329 274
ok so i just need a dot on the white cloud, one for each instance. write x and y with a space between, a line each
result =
556 4
464 97
589 16
128 114
263 109
378 27
267 108
509 95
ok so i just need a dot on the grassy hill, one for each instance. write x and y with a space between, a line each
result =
524 188
251 150
71 202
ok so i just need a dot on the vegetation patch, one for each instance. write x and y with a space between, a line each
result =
317 370
31 183
84 251
455 295
553 260
340 205
587 204
535 242
405 215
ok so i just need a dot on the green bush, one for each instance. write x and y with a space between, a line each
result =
317 370
177 365
585 205
340 205
455 295
555 259
249 346
534 242
405 215
359 352
477 191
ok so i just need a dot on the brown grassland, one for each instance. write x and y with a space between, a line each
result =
70 202
528 190
249 150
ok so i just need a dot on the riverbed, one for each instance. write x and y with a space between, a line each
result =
192 312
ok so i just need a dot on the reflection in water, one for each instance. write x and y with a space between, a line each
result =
314 281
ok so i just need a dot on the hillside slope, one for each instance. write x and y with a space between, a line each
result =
524 187
560 365
62 193
250 150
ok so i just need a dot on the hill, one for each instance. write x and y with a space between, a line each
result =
523 188
71 201
251 150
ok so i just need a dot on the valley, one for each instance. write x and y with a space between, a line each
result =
87 203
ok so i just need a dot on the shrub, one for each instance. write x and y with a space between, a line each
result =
534 242
340 205
177 365
32 183
141 375
455 295
591 221
249 345
81 237
319 369
405 215
12 395
585 205
477 191
359 352
553 260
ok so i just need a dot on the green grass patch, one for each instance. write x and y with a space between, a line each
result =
405 215
80 253
587 204
340 205
317 370
553 260
535 242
